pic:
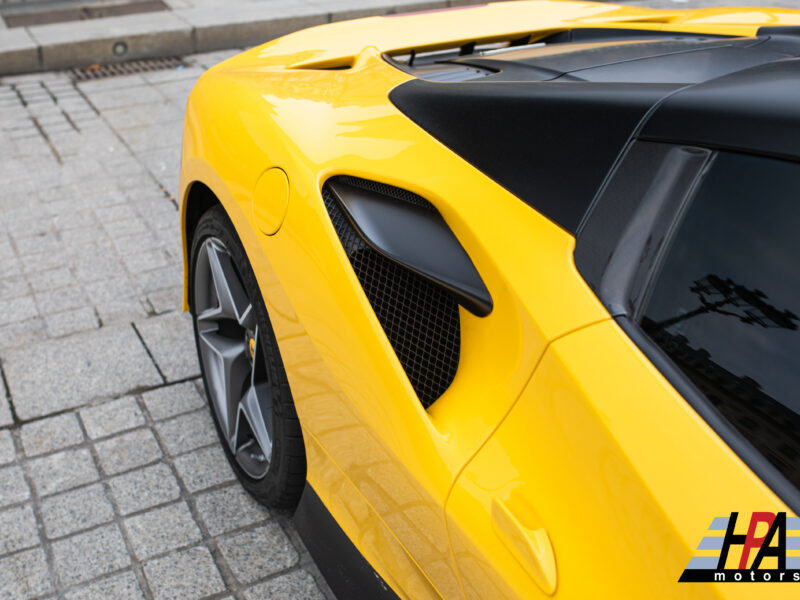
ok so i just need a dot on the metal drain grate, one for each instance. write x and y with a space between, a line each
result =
130 67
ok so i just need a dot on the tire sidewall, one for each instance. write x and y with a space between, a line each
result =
281 486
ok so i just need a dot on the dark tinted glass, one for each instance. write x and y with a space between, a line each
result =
725 304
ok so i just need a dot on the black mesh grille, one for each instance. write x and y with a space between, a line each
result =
419 318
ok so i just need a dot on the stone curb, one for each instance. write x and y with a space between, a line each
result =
180 31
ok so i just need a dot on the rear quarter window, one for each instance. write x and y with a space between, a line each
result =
725 302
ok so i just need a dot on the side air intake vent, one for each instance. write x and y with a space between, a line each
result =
419 317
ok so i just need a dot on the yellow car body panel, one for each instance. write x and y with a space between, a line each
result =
639 477
285 105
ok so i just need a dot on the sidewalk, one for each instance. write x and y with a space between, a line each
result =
188 26
113 483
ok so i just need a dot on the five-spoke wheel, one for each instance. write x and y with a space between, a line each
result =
241 366
237 376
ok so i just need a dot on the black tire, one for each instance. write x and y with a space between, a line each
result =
284 480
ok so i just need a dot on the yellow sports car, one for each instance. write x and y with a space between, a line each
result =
504 298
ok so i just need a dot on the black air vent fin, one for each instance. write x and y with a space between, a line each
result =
420 319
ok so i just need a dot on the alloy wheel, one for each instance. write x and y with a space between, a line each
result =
236 372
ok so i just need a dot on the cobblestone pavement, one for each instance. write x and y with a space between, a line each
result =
112 481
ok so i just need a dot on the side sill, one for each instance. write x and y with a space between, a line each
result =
345 569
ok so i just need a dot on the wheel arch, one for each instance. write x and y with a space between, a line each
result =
199 198
202 189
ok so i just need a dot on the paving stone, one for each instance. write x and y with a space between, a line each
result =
203 468
163 217
75 219
89 555
83 236
94 85
166 300
5 245
27 224
116 97
229 508
118 212
170 339
297 585
72 371
146 260
15 335
97 253
5 409
71 321
176 92
17 309
159 279
144 488
125 165
143 138
163 529
11 266
56 301
121 310
172 400
7 453
17 529
187 432
114 289
62 471
135 226
24 576
128 451
50 280
143 115
135 244
184 575
47 241
259 552
181 73
76 510
51 434
43 261
96 267
13 487
13 287
165 165
117 587
111 417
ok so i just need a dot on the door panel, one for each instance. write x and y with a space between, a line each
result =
601 458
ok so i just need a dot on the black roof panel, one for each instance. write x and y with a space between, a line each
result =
548 123
674 60
550 143
755 110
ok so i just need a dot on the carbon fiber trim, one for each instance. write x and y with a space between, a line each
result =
420 319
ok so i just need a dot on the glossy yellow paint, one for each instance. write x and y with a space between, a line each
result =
270 200
378 452
602 454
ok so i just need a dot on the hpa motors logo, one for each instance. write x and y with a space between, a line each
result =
754 551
